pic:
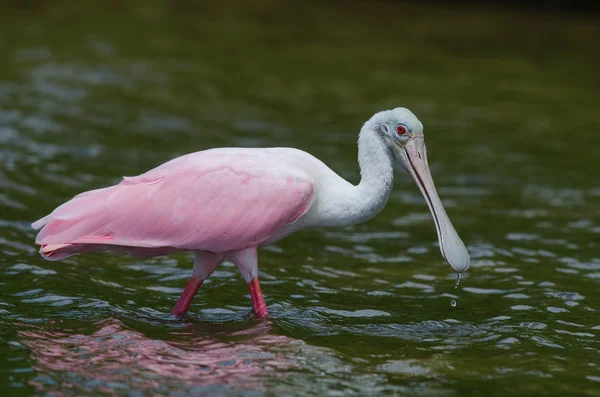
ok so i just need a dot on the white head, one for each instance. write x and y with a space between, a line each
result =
402 132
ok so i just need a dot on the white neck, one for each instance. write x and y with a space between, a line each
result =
376 170
346 204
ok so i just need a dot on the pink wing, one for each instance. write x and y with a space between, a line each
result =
213 201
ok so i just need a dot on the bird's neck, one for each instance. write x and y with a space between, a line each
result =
376 170
356 204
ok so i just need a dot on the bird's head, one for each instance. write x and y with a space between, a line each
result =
403 134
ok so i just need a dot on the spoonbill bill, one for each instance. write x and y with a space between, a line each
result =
225 203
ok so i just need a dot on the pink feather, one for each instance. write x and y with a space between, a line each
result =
217 200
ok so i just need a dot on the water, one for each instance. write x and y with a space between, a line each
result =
456 283
509 104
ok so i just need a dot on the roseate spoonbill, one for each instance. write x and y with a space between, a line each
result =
224 203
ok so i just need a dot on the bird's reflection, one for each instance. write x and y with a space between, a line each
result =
193 357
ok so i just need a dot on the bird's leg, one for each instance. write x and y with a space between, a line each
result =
258 301
247 263
204 264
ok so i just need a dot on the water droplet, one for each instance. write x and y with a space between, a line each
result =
456 283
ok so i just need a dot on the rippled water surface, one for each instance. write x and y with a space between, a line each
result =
510 107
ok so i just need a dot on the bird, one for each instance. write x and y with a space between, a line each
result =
225 203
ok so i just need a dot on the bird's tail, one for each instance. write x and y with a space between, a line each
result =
63 229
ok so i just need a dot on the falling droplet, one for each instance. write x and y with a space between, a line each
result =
456 283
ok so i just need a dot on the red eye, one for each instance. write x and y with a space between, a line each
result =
401 130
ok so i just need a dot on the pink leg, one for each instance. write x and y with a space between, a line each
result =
247 263
188 294
204 264
258 302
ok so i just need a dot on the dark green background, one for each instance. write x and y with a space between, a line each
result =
90 92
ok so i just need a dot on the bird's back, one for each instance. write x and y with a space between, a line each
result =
216 200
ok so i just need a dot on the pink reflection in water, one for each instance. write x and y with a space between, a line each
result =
117 354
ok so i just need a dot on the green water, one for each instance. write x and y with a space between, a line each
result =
509 101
